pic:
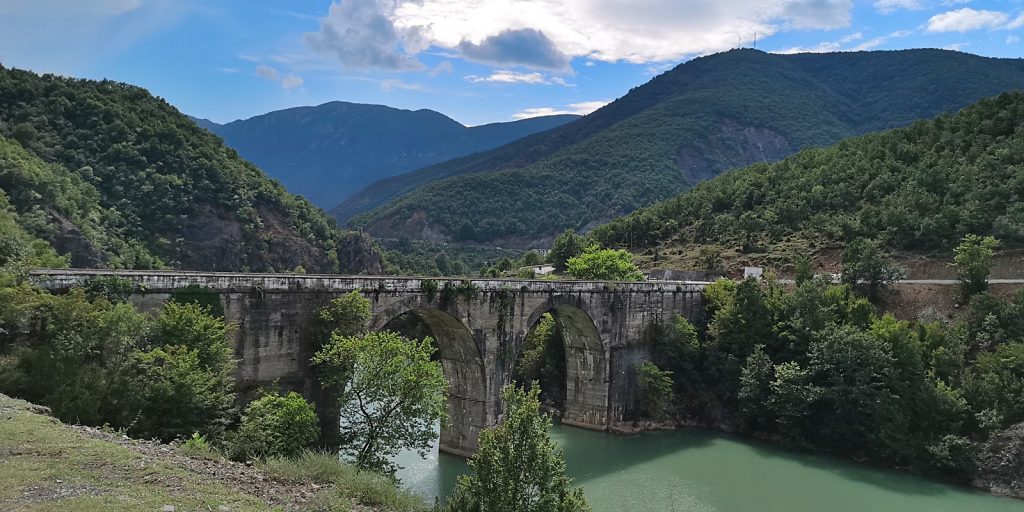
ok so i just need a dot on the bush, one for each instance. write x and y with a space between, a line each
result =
953 457
604 264
276 426
198 447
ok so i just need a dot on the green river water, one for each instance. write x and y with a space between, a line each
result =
704 471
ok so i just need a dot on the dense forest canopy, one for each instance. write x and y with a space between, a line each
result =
706 116
920 188
113 176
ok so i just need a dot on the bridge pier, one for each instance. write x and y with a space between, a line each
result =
479 325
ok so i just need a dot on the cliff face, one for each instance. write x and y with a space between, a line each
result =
357 255
1001 463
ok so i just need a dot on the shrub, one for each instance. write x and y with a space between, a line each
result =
276 426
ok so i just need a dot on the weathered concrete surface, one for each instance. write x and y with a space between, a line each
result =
479 325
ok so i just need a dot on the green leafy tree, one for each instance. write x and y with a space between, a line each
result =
756 389
531 258
865 264
348 315
391 395
565 246
542 360
182 380
604 264
656 394
517 468
709 258
803 270
973 261
276 425
996 384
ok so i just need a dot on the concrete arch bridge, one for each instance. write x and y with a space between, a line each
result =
479 325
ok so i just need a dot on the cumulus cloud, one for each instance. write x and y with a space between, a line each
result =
361 34
580 109
547 34
891 6
1012 39
966 20
511 77
525 47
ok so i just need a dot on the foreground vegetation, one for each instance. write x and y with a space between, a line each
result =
50 466
919 189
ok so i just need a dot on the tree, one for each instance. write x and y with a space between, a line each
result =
710 259
517 468
655 390
804 270
391 395
565 246
347 315
182 380
755 388
276 425
542 360
973 261
864 264
605 265
531 258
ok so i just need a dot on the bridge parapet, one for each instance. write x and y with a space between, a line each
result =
228 282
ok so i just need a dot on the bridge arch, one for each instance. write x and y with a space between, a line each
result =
586 362
463 368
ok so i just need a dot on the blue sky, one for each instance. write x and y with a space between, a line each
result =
477 61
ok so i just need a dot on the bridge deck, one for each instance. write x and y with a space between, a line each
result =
166 280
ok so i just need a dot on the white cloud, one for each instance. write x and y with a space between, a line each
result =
292 82
392 84
1012 39
891 6
442 68
958 47
266 72
580 109
289 82
1016 23
875 42
966 20
513 77
389 33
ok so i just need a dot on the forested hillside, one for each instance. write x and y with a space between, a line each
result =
919 188
707 116
328 152
112 176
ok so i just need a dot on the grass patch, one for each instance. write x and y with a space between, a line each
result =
348 484
44 465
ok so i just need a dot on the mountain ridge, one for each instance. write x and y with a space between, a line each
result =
330 151
702 118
